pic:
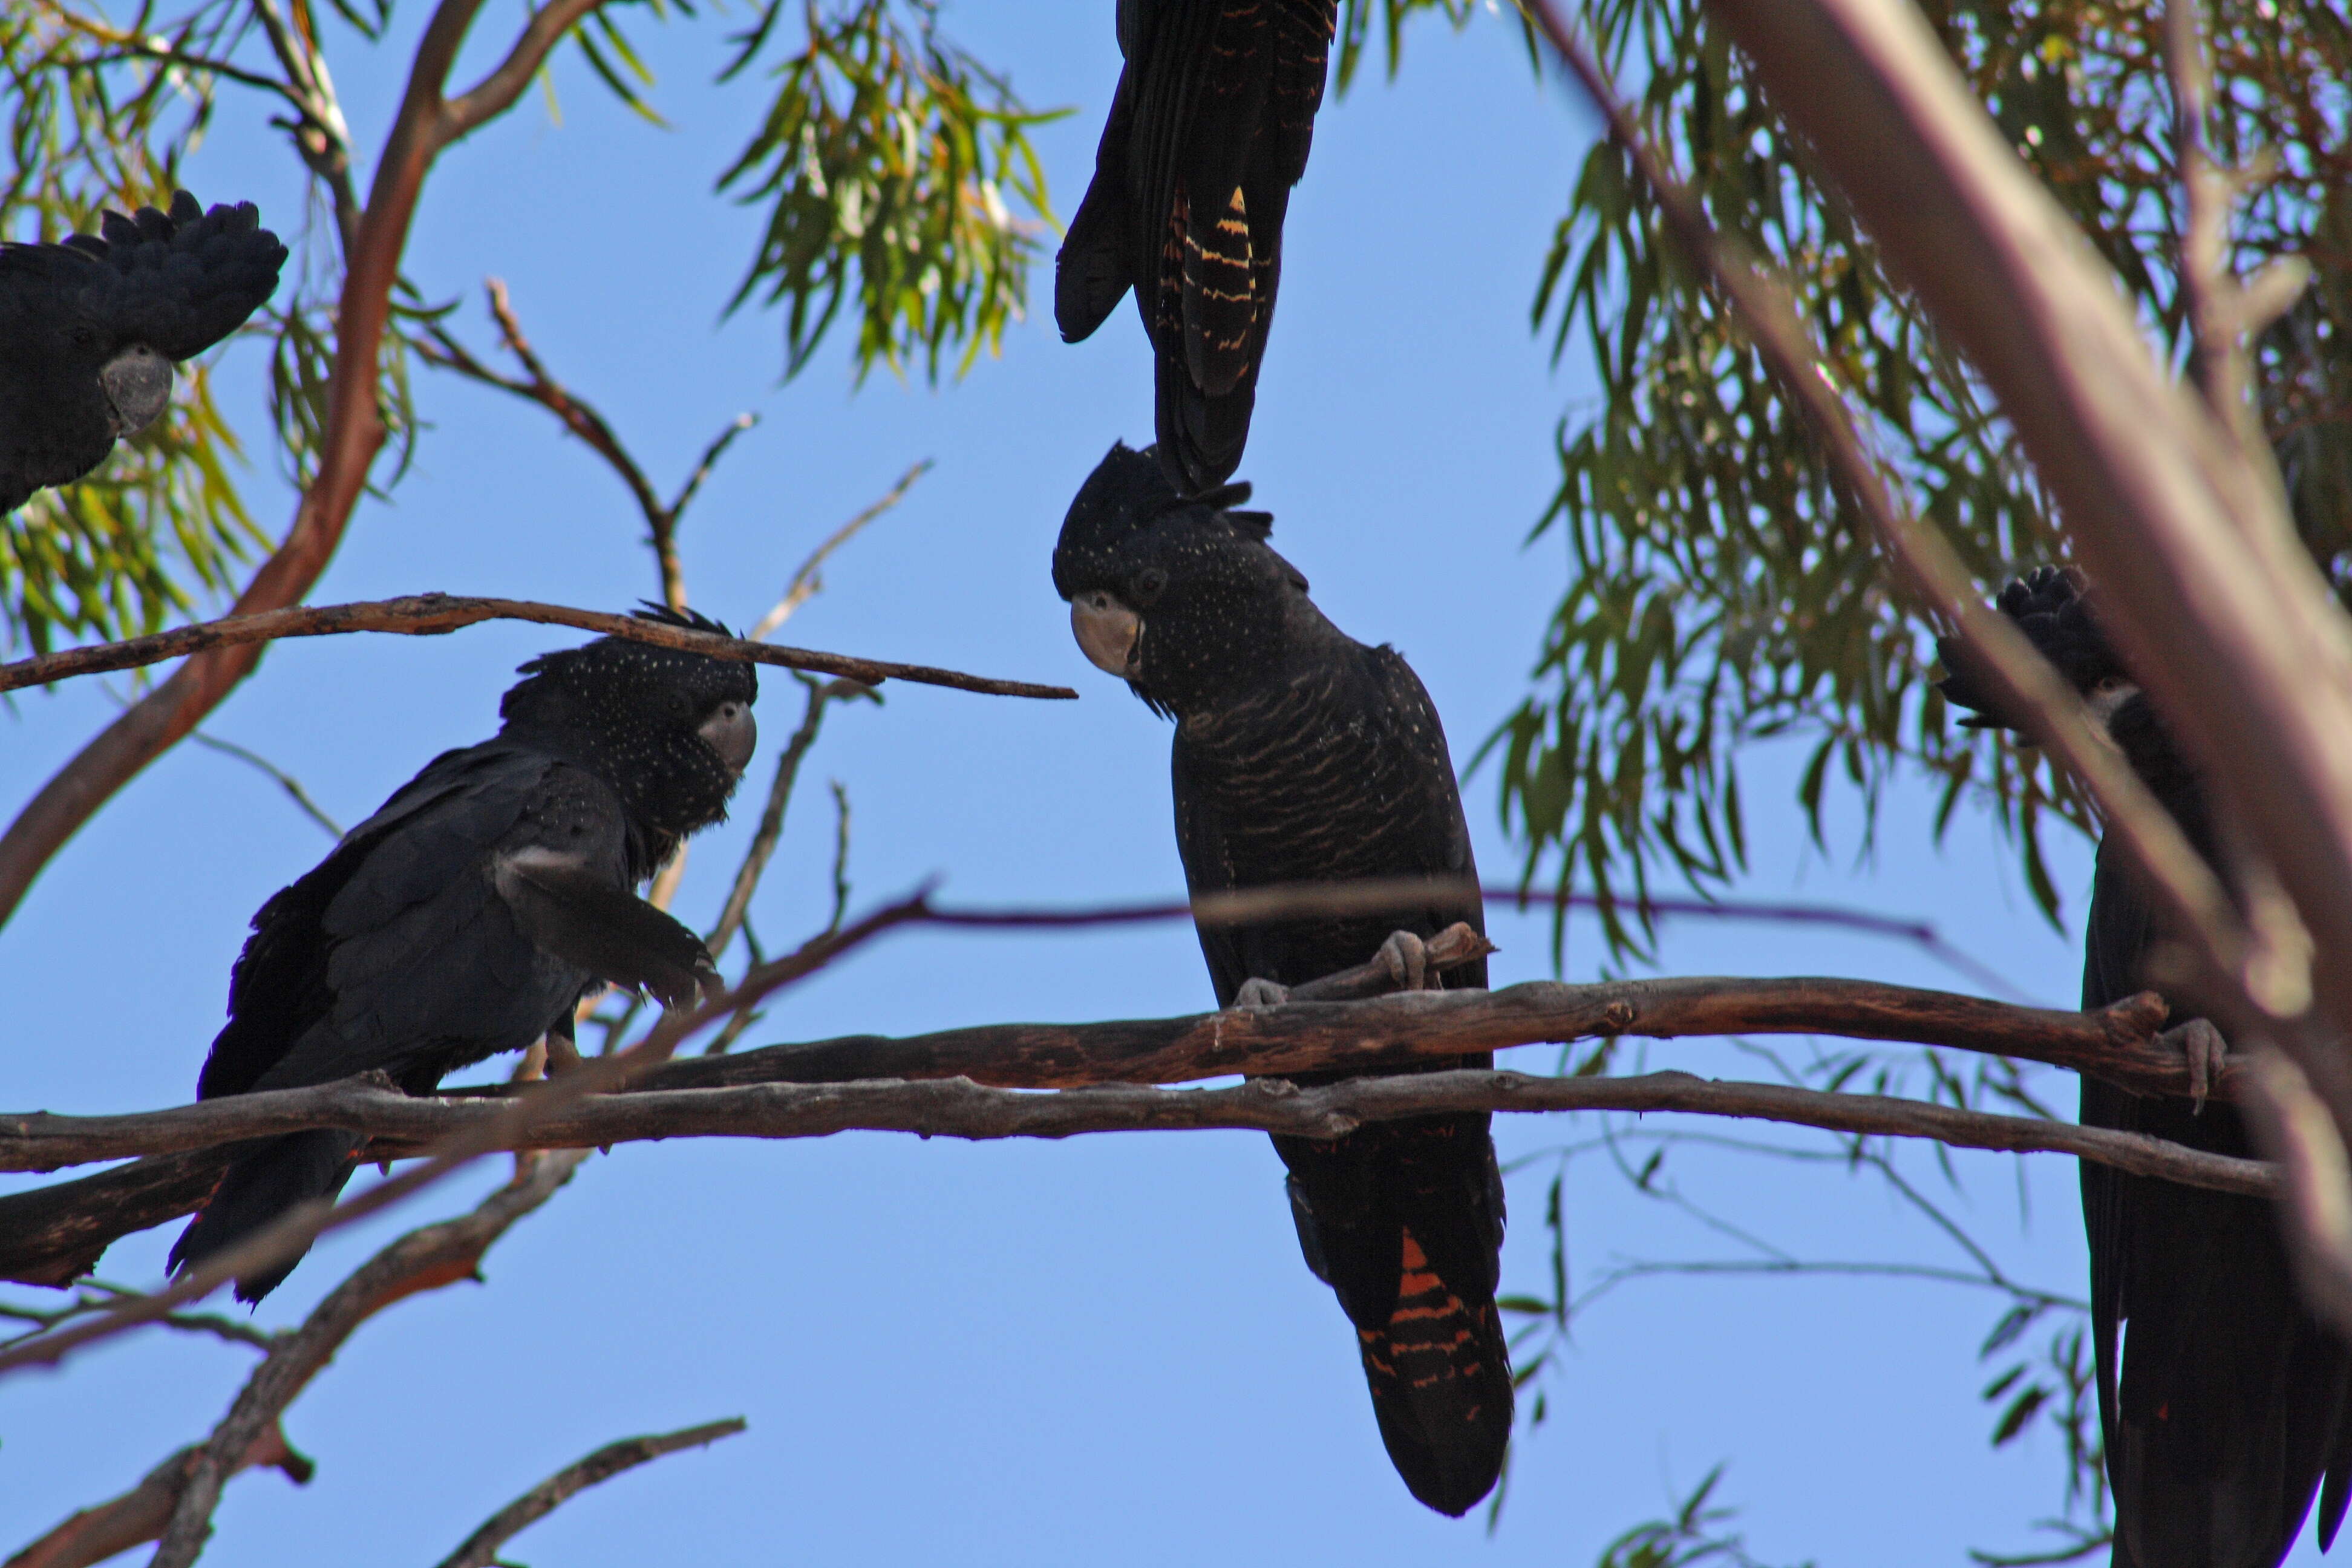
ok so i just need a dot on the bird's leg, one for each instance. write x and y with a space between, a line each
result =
1257 992
2202 1044
562 1049
1406 958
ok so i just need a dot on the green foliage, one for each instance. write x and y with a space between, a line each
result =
114 556
1722 593
1694 1534
891 162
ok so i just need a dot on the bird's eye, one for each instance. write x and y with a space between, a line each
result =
1149 584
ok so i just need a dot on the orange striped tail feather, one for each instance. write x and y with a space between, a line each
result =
1440 1374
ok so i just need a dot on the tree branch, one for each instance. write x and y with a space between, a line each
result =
430 614
424 1259
2116 1045
139 1515
583 419
285 1236
2216 604
481 1548
959 1108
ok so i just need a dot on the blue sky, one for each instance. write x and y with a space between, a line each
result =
1103 1349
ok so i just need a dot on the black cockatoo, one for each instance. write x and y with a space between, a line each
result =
473 911
1209 129
90 329
2225 1403
1301 755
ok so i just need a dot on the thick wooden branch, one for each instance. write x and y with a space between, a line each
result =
2217 605
424 1259
430 614
480 1550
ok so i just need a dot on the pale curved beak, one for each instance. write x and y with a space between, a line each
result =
734 733
138 385
1110 632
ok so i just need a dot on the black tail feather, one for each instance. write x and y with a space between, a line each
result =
1405 1221
278 1175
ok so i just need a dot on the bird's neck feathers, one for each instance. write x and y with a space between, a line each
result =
1208 650
671 784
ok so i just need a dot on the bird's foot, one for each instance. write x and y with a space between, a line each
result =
1257 992
2207 1051
1406 958
562 1053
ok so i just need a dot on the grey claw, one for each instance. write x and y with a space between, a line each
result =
1257 992
2207 1051
1406 957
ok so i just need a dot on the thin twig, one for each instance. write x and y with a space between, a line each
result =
430 614
807 581
584 420
285 780
771 816
481 1548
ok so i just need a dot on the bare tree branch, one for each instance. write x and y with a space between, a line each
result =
350 438
960 1108
481 1548
424 1259
2117 1043
139 1515
430 614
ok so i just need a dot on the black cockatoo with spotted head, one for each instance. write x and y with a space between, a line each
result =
480 905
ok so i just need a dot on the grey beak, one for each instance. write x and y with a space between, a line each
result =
137 387
734 733
1110 634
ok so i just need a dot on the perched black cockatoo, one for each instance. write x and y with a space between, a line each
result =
1301 755
2225 1403
473 911
1209 129
90 329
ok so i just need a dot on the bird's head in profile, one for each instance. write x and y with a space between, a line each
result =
2053 605
1180 596
671 730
